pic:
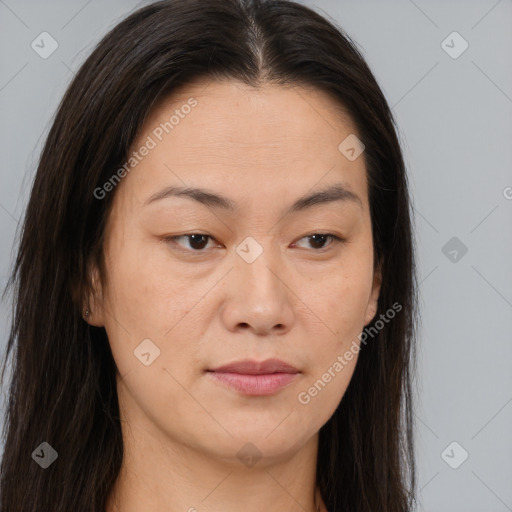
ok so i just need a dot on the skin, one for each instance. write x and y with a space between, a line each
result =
298 301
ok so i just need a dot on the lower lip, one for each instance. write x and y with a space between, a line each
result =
255 385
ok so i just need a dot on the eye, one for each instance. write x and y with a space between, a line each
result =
198 241
318 240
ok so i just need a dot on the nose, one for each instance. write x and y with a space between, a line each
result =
259 298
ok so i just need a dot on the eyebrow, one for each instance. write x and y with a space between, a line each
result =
332 193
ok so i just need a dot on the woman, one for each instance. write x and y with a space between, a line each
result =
215 291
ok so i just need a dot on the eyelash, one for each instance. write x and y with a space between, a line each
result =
336 240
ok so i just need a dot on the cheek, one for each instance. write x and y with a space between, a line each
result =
149 299
341 306
323 389
147 291
340 302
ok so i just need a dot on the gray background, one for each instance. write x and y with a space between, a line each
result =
455 118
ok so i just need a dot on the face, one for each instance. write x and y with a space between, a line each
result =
196 282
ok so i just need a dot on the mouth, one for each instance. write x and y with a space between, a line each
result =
255 378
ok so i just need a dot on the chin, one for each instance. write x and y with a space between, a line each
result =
269 442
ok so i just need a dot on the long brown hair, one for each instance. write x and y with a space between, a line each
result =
63 385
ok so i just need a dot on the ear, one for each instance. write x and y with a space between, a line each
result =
373 303
94 301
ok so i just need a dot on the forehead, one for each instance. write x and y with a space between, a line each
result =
230 135
270 116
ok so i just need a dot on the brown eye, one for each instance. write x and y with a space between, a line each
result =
318 240
197 241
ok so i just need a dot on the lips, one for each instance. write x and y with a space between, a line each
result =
249 367
255 378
